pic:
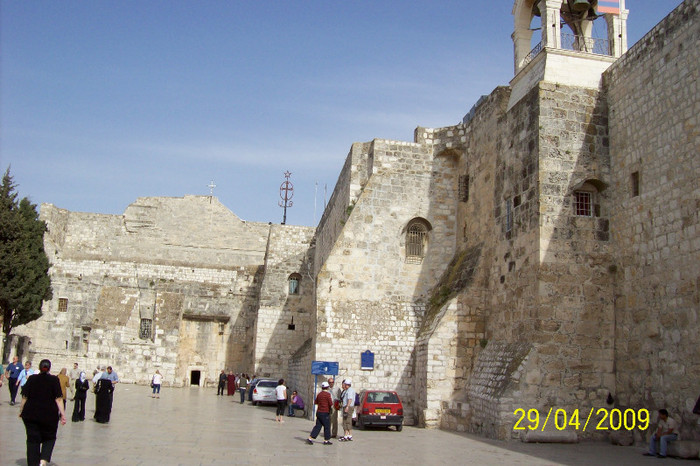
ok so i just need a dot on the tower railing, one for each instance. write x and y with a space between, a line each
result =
578 43
533 53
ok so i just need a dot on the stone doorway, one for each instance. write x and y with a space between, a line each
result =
194 377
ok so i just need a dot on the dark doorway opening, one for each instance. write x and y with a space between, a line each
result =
194 377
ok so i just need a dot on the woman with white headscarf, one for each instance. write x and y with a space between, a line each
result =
81 388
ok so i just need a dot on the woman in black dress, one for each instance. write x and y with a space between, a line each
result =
81 388
42 408
103 400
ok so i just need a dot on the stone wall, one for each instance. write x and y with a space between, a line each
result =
574 323
538 274
352 178
655 141
188 265
284 319
368 297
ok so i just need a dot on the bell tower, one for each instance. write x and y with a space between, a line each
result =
569 51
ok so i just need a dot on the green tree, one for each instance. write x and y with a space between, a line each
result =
24 268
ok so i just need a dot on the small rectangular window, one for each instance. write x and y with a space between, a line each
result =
62 304
583 204
635 184
146 329
464 188
509 215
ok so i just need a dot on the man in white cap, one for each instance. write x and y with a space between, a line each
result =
348 408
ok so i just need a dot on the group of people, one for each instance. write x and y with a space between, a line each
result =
330 401
44 397
232 383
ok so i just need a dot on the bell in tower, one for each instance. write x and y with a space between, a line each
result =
566 50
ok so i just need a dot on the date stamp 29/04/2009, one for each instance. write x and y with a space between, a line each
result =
593 419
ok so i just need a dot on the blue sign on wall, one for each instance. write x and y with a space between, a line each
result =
367 361
324 368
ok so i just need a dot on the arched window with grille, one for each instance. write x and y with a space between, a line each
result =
416 240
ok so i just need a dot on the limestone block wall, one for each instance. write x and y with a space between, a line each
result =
495 389
188 264
541 277
452 333
194 230
654 142
353 176
574 322
299 376
284 320
368 297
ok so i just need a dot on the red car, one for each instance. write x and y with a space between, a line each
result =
380 408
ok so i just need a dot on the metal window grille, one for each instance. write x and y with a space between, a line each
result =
415 243
464 188
583 204
293 285
62 304
146 329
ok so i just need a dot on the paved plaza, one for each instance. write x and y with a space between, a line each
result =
191 426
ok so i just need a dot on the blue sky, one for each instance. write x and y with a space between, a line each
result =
102 102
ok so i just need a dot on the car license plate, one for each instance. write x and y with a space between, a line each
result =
382 410
382 417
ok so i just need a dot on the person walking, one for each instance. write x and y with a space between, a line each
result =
81 388
64 380
281 393
335 395
156 382
222 383
12 374
348 408
97 375
24 375
242 386
41 410
324 402
230 383
103 399
74 375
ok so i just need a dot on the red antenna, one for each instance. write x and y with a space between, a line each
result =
286 193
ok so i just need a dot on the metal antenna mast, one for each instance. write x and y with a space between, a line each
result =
286 193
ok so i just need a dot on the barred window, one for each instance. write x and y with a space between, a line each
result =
416 242
146 330
583 203
294 280
62 304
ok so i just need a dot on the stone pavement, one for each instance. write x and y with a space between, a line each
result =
191 426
